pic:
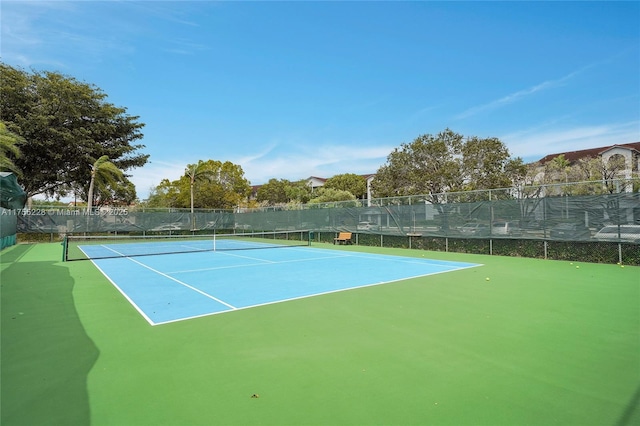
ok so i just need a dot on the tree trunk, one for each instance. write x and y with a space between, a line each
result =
90 195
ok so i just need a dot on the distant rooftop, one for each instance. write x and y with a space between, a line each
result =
573 156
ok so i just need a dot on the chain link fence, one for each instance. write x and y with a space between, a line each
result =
586 221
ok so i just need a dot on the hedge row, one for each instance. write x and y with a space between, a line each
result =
593 252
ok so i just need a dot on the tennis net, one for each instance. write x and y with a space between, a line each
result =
78 247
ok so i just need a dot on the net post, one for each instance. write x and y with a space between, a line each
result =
65 244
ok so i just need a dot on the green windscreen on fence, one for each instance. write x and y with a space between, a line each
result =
604 217
12 198
8 226
77 221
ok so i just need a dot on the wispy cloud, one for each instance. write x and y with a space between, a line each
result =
255 157
46 33
293 164
184 47
535 143
164 10
521 94
23 38
320 160
421 113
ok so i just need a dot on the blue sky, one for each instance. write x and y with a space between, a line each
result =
297 89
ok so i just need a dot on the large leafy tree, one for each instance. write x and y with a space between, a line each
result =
299 192
66 125
283 191
223 186
235 187
327 195
165 194
432 165
355 184
122 194
274 192
487 164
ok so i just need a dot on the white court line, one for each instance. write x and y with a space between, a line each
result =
126 296
403 259
231 254
415 260
450 268
134 304
245 265
306 296
183 283
399 259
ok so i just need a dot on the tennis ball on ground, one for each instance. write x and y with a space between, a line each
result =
577 266
487 278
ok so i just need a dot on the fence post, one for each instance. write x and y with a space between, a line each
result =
620 253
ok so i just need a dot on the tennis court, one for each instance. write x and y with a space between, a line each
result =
541 342
172 287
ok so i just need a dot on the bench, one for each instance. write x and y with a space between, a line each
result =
343 238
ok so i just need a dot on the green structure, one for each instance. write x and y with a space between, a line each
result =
12 198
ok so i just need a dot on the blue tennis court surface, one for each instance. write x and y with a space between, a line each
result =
173 287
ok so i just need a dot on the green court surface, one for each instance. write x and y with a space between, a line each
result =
539 343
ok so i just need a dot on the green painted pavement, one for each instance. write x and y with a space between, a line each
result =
540 343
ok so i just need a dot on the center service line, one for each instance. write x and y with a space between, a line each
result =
184 284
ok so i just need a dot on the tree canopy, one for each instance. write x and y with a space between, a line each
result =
66 124
446 162
327 195
274 192
355 184
165 194
220 185
283 191
486 164
559 170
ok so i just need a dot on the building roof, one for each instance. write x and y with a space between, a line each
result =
573 156
319 179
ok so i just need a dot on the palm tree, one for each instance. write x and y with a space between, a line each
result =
9 142
561 164
103 171
197 172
